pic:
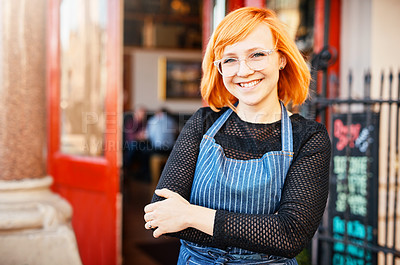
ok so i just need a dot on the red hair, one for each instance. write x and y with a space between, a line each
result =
294 79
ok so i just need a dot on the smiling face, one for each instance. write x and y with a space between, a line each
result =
255 90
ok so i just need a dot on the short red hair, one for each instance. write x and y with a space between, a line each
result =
294 79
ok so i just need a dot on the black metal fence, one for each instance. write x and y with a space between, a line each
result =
362 222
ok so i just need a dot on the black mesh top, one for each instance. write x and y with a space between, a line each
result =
304 195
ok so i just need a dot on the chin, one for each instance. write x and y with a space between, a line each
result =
252 103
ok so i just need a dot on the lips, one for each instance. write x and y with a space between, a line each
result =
249 84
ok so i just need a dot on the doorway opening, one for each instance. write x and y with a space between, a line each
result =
158 35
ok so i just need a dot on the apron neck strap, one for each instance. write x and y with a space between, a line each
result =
286 130
218 123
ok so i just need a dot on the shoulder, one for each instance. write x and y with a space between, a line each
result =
306 130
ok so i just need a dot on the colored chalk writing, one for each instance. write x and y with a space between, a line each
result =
355 176
356 184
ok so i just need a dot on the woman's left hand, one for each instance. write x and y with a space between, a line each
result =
167 216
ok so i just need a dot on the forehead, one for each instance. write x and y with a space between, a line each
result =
259 38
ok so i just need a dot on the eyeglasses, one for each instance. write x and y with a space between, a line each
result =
256 61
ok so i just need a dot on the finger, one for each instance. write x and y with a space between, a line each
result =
157 233
166 193
147 217
149 207
150 225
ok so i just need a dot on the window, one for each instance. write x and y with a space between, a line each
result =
163 23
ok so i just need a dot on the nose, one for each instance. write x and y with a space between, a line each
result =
244 69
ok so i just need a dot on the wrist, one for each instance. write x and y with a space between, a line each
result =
201 218
190 220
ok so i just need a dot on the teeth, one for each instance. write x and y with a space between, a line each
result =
250 84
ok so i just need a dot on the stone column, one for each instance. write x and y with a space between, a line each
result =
34 222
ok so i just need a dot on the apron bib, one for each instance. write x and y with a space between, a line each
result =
244 186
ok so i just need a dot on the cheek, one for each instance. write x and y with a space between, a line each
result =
275 63
272 74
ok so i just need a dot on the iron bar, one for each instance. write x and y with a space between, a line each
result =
388 167
348 156
367 85
397 161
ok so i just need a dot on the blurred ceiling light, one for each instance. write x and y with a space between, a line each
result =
180 7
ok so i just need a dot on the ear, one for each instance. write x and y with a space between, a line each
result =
282 62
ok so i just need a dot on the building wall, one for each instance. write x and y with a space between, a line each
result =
145 83
355 44
385 37
369 41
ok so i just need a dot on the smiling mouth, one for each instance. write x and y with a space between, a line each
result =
250 84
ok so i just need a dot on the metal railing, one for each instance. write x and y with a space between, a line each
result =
362 215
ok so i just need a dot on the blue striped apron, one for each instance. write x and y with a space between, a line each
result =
251 186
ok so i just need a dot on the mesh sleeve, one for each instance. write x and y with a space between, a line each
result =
179 170
302 205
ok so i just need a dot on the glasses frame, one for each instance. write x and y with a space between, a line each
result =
217 62
267 51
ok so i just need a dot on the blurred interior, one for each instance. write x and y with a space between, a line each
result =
162 50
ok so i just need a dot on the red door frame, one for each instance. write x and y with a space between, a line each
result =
333 71
333 39
207 22
90 184
235 4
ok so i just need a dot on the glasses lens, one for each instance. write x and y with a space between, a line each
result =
229 70
258 60
257 65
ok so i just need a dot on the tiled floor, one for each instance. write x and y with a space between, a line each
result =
139 247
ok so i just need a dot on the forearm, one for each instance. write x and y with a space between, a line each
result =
201 218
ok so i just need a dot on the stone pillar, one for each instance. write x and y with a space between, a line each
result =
22 89
34 222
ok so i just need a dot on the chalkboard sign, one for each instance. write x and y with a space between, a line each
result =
353 204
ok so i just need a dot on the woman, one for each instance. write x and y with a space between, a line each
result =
247 181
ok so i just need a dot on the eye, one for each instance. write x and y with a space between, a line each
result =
258 54
229 60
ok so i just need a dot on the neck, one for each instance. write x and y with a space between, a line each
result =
269 114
